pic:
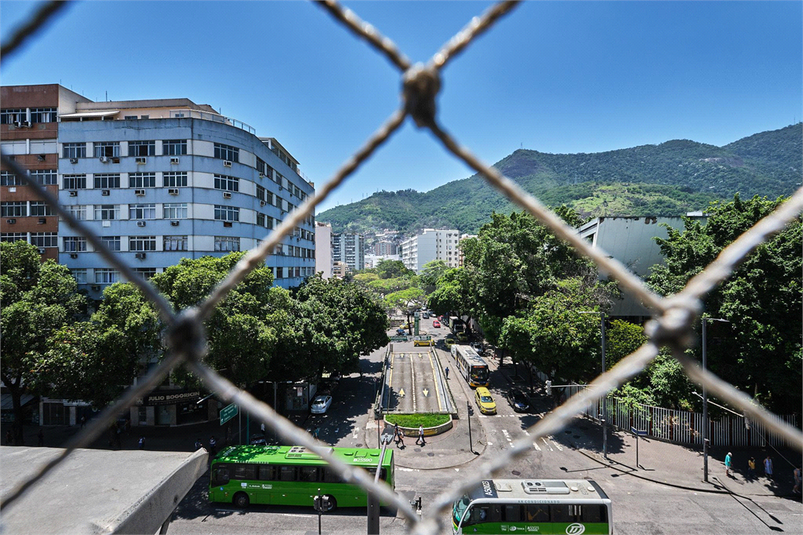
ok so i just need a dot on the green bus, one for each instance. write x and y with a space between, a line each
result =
543 506
291 475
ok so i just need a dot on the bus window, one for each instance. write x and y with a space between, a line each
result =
220 476
308 473
593 513
245 471
383 475
287 473
537 513
330 476
267 472
559 513
512 513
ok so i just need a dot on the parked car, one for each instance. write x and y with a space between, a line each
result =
518 400
436 324
425 315
400 331
484 400
320 404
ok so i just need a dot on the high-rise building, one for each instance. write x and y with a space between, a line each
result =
349 249
323 249
431 245
161 180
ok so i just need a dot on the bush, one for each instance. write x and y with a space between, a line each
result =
414 420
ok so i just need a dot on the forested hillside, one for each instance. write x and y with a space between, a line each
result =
667 179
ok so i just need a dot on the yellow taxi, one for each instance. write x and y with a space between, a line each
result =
485 401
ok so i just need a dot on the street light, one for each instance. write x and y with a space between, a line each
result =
604 397
705 400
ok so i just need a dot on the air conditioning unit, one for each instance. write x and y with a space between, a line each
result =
226 163
105 193
18 124
174 161
174 223
226 195
141 256
141 161
96 287
140 223
139 192
11 221
26 124
173 191
261 175
41 250
104 159
73 193
73 255
42 220
73 160
262 203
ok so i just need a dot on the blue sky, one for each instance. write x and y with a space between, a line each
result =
560 77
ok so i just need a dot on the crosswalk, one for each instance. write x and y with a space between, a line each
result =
544 444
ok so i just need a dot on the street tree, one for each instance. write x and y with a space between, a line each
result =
454 293
430 274
391 269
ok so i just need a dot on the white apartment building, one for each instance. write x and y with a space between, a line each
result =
431 245
323 249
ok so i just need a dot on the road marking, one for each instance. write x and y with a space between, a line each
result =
535 443
426 393
547 444
400 469
507 436
560 448
401 393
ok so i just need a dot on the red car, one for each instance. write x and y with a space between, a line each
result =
436 323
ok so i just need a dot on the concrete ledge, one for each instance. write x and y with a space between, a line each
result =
428 431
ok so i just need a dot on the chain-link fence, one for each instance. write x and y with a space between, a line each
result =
671 326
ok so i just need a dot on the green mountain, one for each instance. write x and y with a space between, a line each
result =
672 178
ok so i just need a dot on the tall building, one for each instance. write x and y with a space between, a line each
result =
349 249
431 245
323 249
29 126
158 181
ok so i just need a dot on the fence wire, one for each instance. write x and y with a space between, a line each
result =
671 326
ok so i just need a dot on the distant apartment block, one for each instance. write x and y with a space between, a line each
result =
157 180
372 260
385 248
349 249
323 249
431 245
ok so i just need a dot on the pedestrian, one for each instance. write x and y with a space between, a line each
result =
141 442
212 445
396 433
447 372
420 435
751 467
83 421
198 444
400 441
768 467
796 475
41 437
728 461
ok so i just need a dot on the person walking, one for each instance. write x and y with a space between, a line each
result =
728 464
751 467
447 372
768 467
141 442
420 435
198 444
796 475
212 445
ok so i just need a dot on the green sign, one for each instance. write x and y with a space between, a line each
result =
227 413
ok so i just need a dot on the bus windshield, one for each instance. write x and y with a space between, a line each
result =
460 507
479 374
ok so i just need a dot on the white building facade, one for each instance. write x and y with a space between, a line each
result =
431 245
349 249
323 249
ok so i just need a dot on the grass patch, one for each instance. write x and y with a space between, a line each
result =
414 420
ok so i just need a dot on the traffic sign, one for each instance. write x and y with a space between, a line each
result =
638 432
227 413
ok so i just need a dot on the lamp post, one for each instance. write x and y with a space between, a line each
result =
605 397
705 400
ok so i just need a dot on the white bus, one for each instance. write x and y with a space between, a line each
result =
471 366
544 506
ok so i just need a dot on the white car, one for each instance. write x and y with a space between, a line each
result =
320 404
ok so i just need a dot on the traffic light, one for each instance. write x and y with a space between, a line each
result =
548 387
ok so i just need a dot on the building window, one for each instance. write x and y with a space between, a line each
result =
269 222
45 239
146 273
260 193
227 152
279 272
14 236
175 210
227 243
44 115
227 183
14 209
12 115
142 180
175 180
107 181
142 211
79 275
46 177
227 213
109 149
111 242
73 181
107 211
260 220
7 178
174 147
74 244
106 276
40 208
142 148
78 211
74 150
175 243
142 243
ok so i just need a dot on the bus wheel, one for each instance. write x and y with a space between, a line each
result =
331 503
241 500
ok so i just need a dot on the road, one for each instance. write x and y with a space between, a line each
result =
413 381
640 506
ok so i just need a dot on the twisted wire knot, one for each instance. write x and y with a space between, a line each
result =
420 86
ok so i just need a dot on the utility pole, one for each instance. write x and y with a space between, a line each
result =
605 397
705 399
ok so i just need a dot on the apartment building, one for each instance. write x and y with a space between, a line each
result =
349 249
431 245
323 249
158 181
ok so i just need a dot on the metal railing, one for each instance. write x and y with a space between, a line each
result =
671 326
